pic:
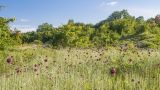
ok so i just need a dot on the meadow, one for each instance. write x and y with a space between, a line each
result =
120 52
112 68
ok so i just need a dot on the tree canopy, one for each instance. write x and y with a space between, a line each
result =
120 27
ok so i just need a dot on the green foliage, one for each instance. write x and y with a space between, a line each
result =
45 27
140 19
7 37
119 27
157 19
5 43
119 15
37 42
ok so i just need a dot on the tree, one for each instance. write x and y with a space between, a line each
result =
70 22
5 33
119 27
45 27
119 15
157 19
151 22
140 19
115 16
16 35
29 37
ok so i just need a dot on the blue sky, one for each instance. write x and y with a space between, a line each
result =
31 13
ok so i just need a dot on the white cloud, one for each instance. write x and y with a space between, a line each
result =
24 28
24 20
106 3
112 3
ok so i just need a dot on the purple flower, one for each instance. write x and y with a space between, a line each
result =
10 60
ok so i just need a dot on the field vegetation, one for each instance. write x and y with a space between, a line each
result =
119 53
112 68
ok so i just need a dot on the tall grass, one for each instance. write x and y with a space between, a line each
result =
37 68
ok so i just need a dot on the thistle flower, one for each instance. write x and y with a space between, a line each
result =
35 65
132 80
35 70
46 67
10 60
18 70
113 71
45 60
130 60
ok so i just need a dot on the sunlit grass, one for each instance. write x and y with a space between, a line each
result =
37 68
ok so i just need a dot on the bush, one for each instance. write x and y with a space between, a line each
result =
37 42
146 44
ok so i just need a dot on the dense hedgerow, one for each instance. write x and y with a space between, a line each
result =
119 27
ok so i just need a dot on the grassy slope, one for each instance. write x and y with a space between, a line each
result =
80 69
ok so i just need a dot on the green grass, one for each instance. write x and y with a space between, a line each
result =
80 69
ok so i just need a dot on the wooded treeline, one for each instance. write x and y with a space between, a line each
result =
119 28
